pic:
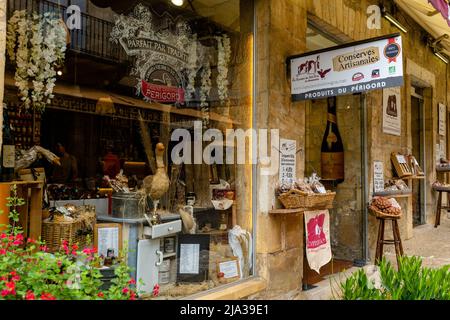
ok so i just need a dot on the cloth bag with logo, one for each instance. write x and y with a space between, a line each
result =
317 229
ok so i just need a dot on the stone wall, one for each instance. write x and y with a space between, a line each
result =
419 63
281 31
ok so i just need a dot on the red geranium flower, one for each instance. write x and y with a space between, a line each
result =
75 247
4 292
132 295
132 281
29 295
47 296
125 290
11 285
2 251
101 294
44 248
31 240
3 236
156 290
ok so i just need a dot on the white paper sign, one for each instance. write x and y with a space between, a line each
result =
288 160
378 176
189 258
392 111
370 65
229 269
442 149
442 119
108 238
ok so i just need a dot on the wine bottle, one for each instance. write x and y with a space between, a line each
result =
332 150
8 149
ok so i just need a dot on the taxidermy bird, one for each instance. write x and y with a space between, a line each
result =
156 185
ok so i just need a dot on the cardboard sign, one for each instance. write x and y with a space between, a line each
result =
442 119
378 176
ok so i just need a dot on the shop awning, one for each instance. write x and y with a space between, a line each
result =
432 15
102 96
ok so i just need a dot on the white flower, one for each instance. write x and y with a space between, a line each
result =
223 57
37 44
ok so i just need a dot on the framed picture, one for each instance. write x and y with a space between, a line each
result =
193 258
108 239
228 270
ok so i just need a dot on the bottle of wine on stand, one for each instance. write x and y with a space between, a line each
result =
332 150
8 149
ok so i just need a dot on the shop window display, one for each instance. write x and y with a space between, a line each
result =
128 121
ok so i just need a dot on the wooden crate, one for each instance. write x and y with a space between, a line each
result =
30 214
401 166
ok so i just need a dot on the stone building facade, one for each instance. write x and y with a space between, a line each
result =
281 31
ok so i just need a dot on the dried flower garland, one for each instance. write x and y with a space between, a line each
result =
37 44
224 56
204 92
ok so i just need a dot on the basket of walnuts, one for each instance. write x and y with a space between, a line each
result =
382 207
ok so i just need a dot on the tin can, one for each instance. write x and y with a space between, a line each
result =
165 266
164 277
169 245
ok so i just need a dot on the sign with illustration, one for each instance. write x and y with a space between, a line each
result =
168 58
288 161
318 248
392 115
347 69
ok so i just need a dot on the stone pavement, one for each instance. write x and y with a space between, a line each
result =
429 243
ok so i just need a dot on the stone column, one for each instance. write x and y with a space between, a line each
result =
281 32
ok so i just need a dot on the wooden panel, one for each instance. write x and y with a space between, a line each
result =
35 217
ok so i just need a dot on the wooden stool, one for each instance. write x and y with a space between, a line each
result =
397 241
439 206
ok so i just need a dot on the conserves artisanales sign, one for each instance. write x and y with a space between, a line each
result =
347 69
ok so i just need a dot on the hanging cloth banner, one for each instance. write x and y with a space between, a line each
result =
318 248
443 7
360 66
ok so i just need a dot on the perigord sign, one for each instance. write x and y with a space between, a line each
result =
346 69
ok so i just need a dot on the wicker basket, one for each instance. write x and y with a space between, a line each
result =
294 199
380 214
75 232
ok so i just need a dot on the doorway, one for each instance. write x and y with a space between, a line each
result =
347 215
418 151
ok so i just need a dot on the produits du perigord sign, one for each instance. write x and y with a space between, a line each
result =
346 69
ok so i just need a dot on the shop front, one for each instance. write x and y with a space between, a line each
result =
145 94
179 128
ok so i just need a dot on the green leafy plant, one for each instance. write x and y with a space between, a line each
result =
411 282
28 271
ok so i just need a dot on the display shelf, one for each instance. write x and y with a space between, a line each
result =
287 211
169 255
443 169
391 194
410 178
